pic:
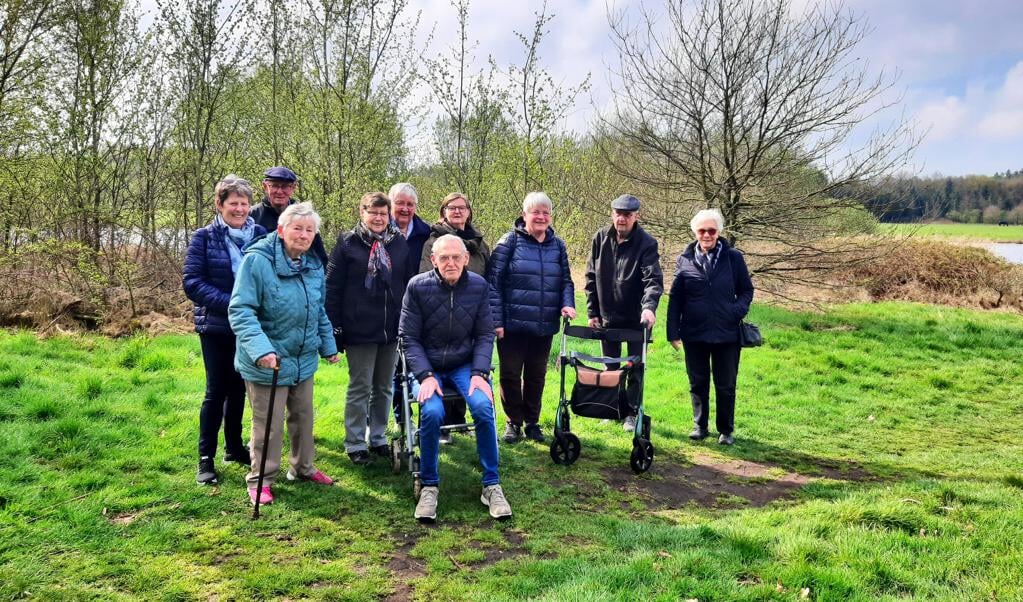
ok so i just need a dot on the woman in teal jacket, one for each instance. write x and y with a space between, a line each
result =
276 311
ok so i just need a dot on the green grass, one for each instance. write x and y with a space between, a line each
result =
901 420
965 232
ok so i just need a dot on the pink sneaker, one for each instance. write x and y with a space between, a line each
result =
318 477
265 499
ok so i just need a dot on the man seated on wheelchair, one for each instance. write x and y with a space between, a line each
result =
448 337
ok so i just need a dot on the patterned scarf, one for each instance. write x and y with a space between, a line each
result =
240 237
707 261
378 268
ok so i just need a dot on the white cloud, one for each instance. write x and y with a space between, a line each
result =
1005 117
943 119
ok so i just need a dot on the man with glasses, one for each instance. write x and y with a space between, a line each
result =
279 184
448 338
623 283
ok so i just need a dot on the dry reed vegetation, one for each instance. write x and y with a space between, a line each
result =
939 272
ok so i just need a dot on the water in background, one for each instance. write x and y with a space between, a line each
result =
1010 251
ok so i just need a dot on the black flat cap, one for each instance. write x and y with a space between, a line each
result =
280 173
626 202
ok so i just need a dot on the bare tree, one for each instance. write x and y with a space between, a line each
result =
753 108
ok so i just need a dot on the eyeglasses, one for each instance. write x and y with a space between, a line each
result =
383 214
708 231
279 185
458 208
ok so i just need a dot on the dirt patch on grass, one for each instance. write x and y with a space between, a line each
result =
719 483
492 554
404 569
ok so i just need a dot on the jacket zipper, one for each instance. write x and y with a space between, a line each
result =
451 324
305 331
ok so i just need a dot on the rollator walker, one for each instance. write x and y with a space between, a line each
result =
602 392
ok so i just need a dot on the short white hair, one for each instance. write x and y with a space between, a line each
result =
706 214
404 188
299 211
446 238
537 199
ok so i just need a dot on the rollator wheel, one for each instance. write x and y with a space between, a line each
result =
642 456
565 448
417 488
396 453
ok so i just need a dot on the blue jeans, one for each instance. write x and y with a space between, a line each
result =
431 416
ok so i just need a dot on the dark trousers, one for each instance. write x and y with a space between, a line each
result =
523 362
721 360
614 349
225 395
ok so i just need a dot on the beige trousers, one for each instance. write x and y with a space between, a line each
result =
299 401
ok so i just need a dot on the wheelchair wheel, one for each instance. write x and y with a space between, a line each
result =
417 482
396 454
565 448
642 455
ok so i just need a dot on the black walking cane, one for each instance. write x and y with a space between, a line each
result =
266 438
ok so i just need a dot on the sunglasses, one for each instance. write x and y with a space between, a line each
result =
710 231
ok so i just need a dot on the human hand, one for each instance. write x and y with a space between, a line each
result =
267 361
333 359
648 318
428 388
478 382
499 332
568 312
676 344
594 322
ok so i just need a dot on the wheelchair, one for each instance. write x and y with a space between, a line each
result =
405 445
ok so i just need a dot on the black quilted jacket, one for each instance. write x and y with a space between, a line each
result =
445 327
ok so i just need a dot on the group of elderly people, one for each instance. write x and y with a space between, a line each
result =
268 299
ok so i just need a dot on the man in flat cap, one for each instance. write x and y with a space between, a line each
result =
279 184
623 282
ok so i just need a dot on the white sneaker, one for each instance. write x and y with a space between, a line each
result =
493 498
629 425
426 509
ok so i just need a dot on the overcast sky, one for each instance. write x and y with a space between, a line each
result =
960 65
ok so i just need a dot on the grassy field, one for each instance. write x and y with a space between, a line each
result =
965 232
878 457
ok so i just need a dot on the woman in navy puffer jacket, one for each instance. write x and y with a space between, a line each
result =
530 290
213 257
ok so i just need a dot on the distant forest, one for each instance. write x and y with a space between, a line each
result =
968 199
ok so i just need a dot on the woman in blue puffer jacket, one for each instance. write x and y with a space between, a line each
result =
530 290
210 266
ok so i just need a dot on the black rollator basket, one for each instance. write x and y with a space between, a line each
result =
600 391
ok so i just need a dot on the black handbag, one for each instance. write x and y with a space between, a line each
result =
749 335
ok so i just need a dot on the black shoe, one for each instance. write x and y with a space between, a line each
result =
726 440
384 451
698 434
240 455
533 433
207 474
512 433
360 457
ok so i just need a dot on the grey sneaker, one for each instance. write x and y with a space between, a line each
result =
629 424
493 498
426 509
206 474
726 440
445 438
512 433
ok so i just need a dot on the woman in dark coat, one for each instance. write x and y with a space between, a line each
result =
456 218
710 296
530 290
366 278
211 263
